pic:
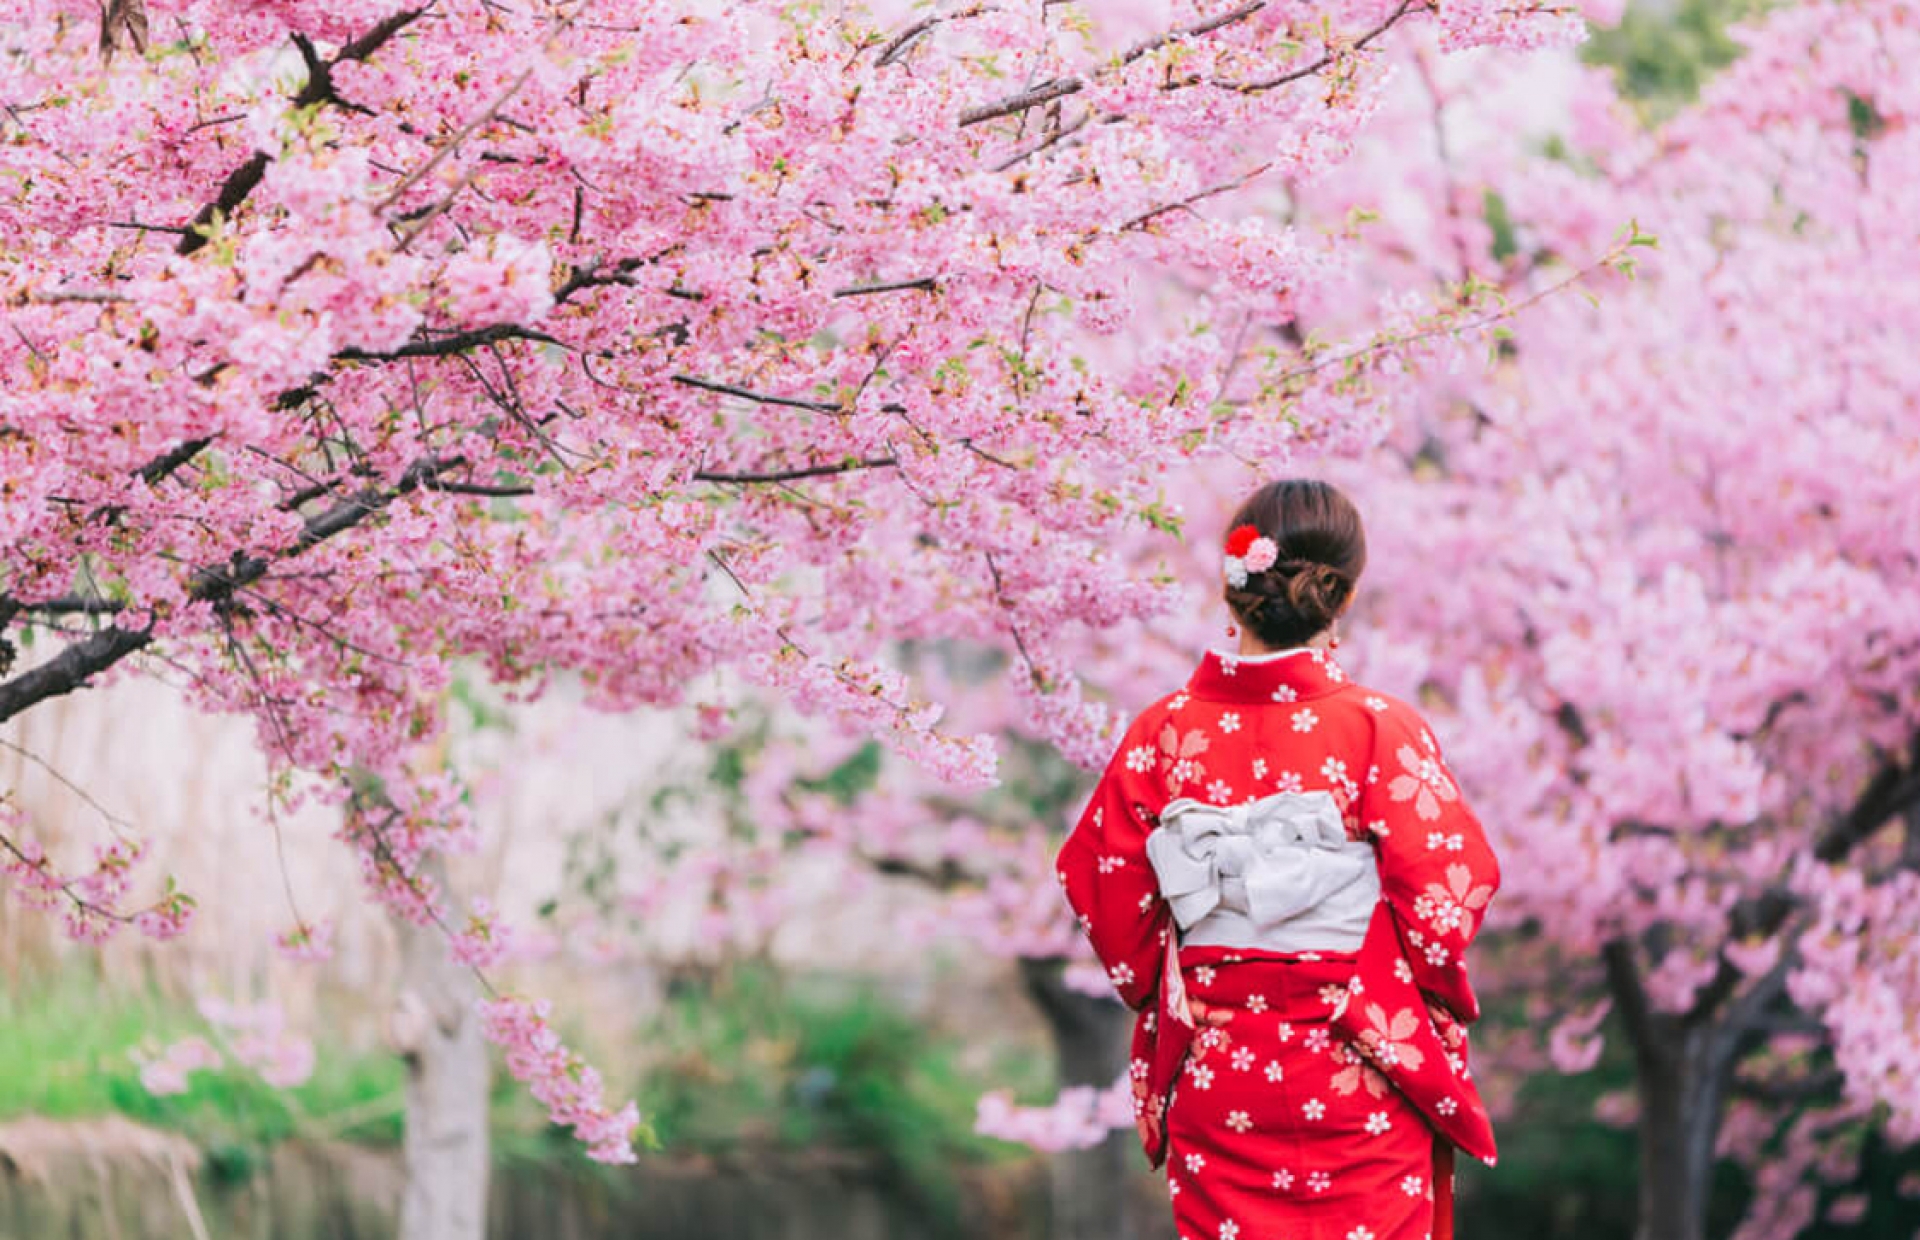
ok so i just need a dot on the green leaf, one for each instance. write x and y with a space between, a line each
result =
1157 516
1500 222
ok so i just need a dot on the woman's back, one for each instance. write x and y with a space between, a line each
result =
1281 877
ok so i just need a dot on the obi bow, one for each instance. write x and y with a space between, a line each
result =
1270 860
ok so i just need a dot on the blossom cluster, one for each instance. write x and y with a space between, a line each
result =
1080 1116
91 902
559 1078
254 1036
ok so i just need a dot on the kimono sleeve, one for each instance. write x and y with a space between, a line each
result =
1437 871
1107 878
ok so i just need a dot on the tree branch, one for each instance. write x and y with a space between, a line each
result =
1204 26
122 19
1248 88
154 471
805 471
596 275
1789 1092
762 398
791 402
1885 796
73 605
74 666
742 478
925 284
1060 88
70 669
1892 791
1153 213
897 46
488 490
319 89
1629 993
1033 97
448 345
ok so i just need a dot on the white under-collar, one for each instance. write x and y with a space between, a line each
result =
1271 656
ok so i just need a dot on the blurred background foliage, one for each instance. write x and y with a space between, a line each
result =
750 1056
1662 53
741 1057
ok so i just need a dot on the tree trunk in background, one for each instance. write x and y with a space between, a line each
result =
1091 1197
1682 1088
437 1031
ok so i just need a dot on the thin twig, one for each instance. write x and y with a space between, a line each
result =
114 821
1328 58
794 475
1059 88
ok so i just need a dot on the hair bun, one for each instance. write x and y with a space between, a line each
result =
1317 591
1322 551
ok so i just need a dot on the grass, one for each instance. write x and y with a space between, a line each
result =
71 1048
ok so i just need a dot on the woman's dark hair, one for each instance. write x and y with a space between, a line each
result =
1323 550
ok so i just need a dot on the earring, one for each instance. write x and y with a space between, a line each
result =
1232 629
1333 643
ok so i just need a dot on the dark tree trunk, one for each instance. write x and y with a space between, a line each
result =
1683 1067
1682 1085
1090 1188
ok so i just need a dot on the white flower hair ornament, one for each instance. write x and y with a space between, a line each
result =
1248 551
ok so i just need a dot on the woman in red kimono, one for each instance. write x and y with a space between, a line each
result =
1281 877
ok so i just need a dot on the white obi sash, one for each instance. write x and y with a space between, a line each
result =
1278 874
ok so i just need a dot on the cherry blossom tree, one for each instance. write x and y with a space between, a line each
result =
1657 562
682 348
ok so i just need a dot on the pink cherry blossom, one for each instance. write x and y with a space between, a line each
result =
558 1077
1079 1117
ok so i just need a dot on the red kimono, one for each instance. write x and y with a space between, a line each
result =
1312 1095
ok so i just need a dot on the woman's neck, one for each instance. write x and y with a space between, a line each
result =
1252 648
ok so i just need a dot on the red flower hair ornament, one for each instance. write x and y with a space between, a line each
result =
1247 551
